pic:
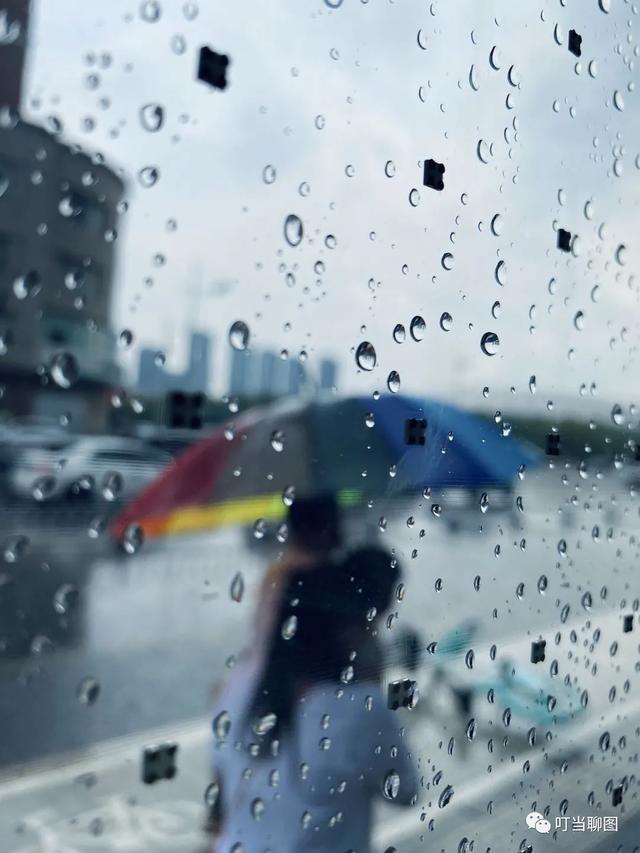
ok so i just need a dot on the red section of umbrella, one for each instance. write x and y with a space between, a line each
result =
187 482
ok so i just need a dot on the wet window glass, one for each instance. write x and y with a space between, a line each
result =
319 429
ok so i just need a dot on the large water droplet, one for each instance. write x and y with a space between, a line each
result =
88 691
445 797
150 11
446 321
148 176
66 599
501 273
64 369
27 285
391 785
133 539
489 343
393 382
618 100
222 725
293 230
483 151
366 356
399 333
417 328
152 117
617 415
447 261
239 335
289 627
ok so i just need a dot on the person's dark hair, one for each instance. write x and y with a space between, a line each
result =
314 522
324 617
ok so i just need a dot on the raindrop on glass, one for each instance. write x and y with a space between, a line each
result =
489 343
293 230
366 356
239 335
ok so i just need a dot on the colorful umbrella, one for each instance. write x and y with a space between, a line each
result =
354 447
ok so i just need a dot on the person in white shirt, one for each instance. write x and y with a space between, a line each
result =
304 741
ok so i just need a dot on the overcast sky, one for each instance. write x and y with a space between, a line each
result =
390 81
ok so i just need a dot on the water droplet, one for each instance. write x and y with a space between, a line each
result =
399 333
393 381
621 254
222 725
237 587
495 310
501 273
269 174
289 627
293 230
495 58
489 343
578 320
239 335
330 241
126 338
445 797
64 369
496 225
390 169
617 415
483 151
43 488
88 691
277 440
112 485
472 729
604 741
446 321
366 356
391 785
605 6
417 328
414 197
27 285
259 528
447 261
148 176
211 794
132 539
473 78
66 599
618 100
152 117
265 724
150 11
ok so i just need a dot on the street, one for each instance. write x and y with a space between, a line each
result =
155 631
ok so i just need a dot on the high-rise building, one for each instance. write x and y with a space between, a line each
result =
328 374
154 380
57 212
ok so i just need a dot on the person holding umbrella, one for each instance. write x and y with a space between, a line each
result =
302 752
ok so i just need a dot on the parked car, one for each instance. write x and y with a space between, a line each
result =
113 468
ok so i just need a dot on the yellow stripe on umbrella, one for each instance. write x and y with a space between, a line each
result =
241 511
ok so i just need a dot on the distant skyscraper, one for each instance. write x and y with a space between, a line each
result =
328 374
238 377
154 380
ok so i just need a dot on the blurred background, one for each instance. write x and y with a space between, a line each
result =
224 289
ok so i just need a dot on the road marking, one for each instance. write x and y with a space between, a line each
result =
97 758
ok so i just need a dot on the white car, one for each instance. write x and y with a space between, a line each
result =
100 467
